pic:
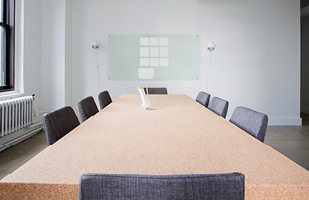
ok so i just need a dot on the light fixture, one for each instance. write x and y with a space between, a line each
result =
95 44
211 46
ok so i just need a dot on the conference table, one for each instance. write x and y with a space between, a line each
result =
176 136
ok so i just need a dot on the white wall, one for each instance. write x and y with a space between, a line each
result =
256 62
68 52
53 54
31 49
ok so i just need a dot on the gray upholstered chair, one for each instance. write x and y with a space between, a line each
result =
104 99
194 186
58 123
87 108
203 98
162 90
218 106
251 121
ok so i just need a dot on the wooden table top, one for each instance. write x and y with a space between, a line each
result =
177 136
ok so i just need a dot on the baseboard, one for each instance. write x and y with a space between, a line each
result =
305 110
295 121
18 136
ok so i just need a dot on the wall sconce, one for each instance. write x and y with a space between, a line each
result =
95 44
211 46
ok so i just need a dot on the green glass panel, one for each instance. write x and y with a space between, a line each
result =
153 57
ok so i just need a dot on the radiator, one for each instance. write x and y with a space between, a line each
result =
15 114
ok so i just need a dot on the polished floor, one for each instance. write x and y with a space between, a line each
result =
291 141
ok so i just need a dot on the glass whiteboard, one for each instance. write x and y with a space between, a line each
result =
153 57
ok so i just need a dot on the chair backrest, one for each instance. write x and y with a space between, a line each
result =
58 123
162 90
203 98
218 106
87 108
251 121
194 186
104 99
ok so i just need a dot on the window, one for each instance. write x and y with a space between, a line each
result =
7 23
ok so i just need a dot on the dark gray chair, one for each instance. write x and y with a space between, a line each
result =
194 186
104 99
58 123
218 106
162 90
203 98
87 108
251 121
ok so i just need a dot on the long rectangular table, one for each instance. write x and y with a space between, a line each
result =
177 136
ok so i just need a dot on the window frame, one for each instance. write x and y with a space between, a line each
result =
9 25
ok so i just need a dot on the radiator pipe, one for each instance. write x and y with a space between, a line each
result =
34 125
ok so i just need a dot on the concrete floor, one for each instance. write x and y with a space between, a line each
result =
291 141
17 155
